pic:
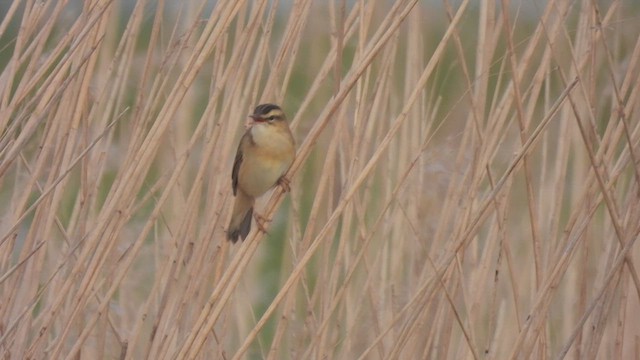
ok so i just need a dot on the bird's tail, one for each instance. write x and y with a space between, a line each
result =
240 223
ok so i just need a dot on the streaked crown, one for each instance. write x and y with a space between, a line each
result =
268 112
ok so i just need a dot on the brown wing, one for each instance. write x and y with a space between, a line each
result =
246 140
236 169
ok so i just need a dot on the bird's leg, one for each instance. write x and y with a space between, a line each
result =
285 183
261 222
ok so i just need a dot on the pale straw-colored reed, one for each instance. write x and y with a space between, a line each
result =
466 184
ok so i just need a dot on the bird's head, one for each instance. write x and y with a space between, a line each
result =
269 114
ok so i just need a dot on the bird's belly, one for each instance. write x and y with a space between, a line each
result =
260 175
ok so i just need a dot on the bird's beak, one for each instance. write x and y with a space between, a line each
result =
253 118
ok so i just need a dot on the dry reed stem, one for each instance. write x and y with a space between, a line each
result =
466 183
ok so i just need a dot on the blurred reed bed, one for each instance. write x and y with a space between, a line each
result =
466 184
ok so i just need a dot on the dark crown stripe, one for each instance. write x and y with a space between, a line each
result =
264 109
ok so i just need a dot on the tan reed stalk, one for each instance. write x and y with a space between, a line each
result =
466 181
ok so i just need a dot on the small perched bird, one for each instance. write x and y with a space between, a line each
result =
265 153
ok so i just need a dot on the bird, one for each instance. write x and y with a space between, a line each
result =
265 153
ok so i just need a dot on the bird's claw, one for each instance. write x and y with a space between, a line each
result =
261 222
285 183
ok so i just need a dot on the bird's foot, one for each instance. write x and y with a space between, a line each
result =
285 183
261 221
